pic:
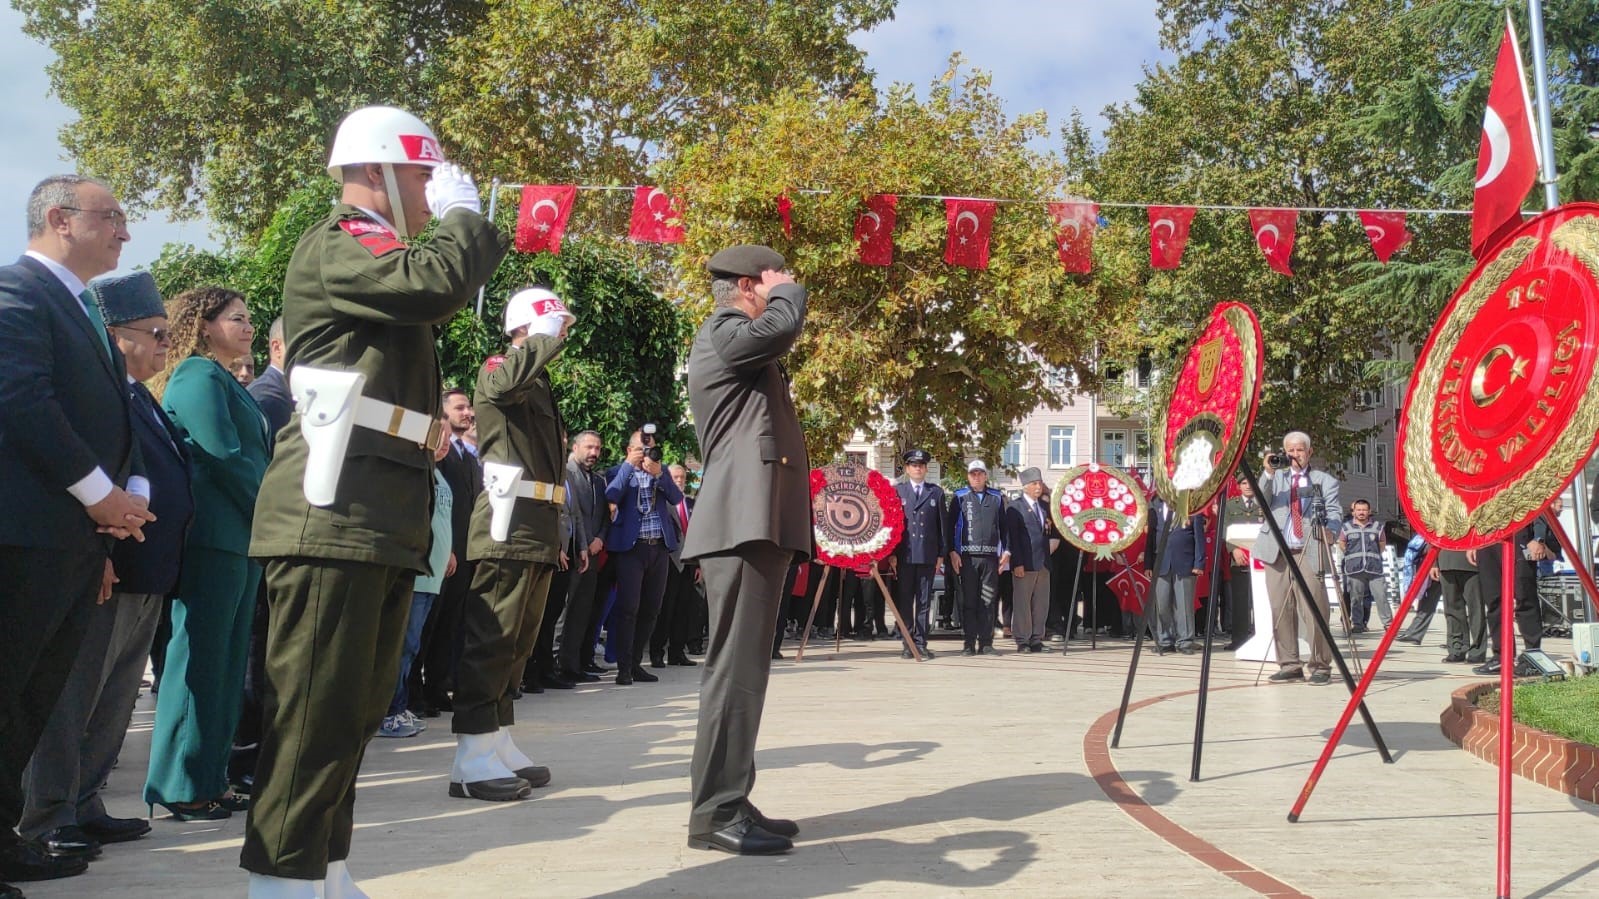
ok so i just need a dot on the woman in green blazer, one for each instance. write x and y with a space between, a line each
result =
203 682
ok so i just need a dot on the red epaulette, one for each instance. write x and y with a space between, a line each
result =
377 239
492 363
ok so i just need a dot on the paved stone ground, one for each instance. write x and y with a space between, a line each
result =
957 776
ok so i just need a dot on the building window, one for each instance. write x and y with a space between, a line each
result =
1142 454
1014 450
1381 462
1144 373
1062 445
1113 448
1357 462
856 459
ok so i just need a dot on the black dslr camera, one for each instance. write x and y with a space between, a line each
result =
652 449
1277 459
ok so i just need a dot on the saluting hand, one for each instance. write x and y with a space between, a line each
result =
770 279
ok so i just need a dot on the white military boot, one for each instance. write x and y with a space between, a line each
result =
478 772
265 887
340 885
521 765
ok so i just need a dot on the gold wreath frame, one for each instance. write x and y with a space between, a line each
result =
1238 320
1135 526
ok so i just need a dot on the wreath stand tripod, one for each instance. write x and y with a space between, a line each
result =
838 613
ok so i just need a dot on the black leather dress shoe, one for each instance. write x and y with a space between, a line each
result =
644 677
535 775
1489 667
926 653
591 668
777 655
624 678
657 661
783 827
743 838
683 661
1287 674
7 891
107 829
70 842
968 651
1453 657
31 861
552 682
499 789
578 678
906 654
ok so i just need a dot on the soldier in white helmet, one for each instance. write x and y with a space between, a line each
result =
342 525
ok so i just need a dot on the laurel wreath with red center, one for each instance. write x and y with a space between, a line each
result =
1099 509
859 555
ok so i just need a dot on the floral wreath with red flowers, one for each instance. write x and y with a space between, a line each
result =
1099 509
856 515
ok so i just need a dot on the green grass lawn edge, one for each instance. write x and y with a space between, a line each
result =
1569 708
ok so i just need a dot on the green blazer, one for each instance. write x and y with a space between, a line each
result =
228 440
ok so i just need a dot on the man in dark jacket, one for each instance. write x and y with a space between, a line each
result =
1029 532
84 735
920 554
1182 559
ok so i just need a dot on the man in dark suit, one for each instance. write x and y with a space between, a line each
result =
1533 544
1182 558
920 554
754 519
271 388
85 731
434 676
679 606
1028 533
575 655
643 536
68 460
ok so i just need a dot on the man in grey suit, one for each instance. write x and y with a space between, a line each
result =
69 461
1295 495
753 518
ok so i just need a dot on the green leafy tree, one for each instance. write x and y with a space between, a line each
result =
224 108
919 351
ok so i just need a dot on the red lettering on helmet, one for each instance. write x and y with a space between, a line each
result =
421 148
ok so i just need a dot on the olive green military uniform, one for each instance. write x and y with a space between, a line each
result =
517 424
339 578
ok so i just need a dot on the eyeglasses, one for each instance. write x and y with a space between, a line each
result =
110 216
161 335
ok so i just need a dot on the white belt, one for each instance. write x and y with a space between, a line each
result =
398 421
548 493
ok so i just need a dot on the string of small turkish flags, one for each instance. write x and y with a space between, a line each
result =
969 224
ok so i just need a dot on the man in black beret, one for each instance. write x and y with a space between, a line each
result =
920 554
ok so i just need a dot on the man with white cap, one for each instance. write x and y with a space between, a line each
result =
977 552
516 541
342 524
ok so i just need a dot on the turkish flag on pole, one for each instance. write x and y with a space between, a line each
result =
785 211
1168 234
1131 586
657 218
541 219
970 224
1274 234
874 230
1507 162
1074 234
1387 232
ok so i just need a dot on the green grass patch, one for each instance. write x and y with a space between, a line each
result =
1569 708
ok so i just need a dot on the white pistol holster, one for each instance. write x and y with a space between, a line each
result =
500 482
326 400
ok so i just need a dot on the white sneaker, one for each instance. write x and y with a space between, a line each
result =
340 885
264 887
395 726
411 719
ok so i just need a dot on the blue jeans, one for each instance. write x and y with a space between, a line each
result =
420 604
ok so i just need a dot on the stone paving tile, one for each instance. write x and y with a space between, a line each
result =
951 778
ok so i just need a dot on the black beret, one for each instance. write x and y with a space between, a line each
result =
127 298
916 456
744 261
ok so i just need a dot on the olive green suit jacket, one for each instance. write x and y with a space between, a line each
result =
757 476
518 424
357 298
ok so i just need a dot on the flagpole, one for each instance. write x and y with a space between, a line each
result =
1551 194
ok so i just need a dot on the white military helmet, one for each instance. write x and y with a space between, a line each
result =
389 136
529 304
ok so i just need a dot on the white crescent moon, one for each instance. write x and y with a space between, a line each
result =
1075 226
1376 232
1171 226
555 209
649 198
1275 234
1498 138
876 220
968 214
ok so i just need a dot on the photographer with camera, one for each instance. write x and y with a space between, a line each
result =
642 538
1304 503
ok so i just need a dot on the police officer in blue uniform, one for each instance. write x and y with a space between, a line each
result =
920 554
977 552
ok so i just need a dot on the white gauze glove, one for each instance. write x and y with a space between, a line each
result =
451 188
549 315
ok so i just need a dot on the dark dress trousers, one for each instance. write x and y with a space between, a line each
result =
440 651
924 545
581 624
679 607
641 565
754 517
1490 565
977 532
63 413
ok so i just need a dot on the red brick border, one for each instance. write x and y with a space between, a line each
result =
1563 765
